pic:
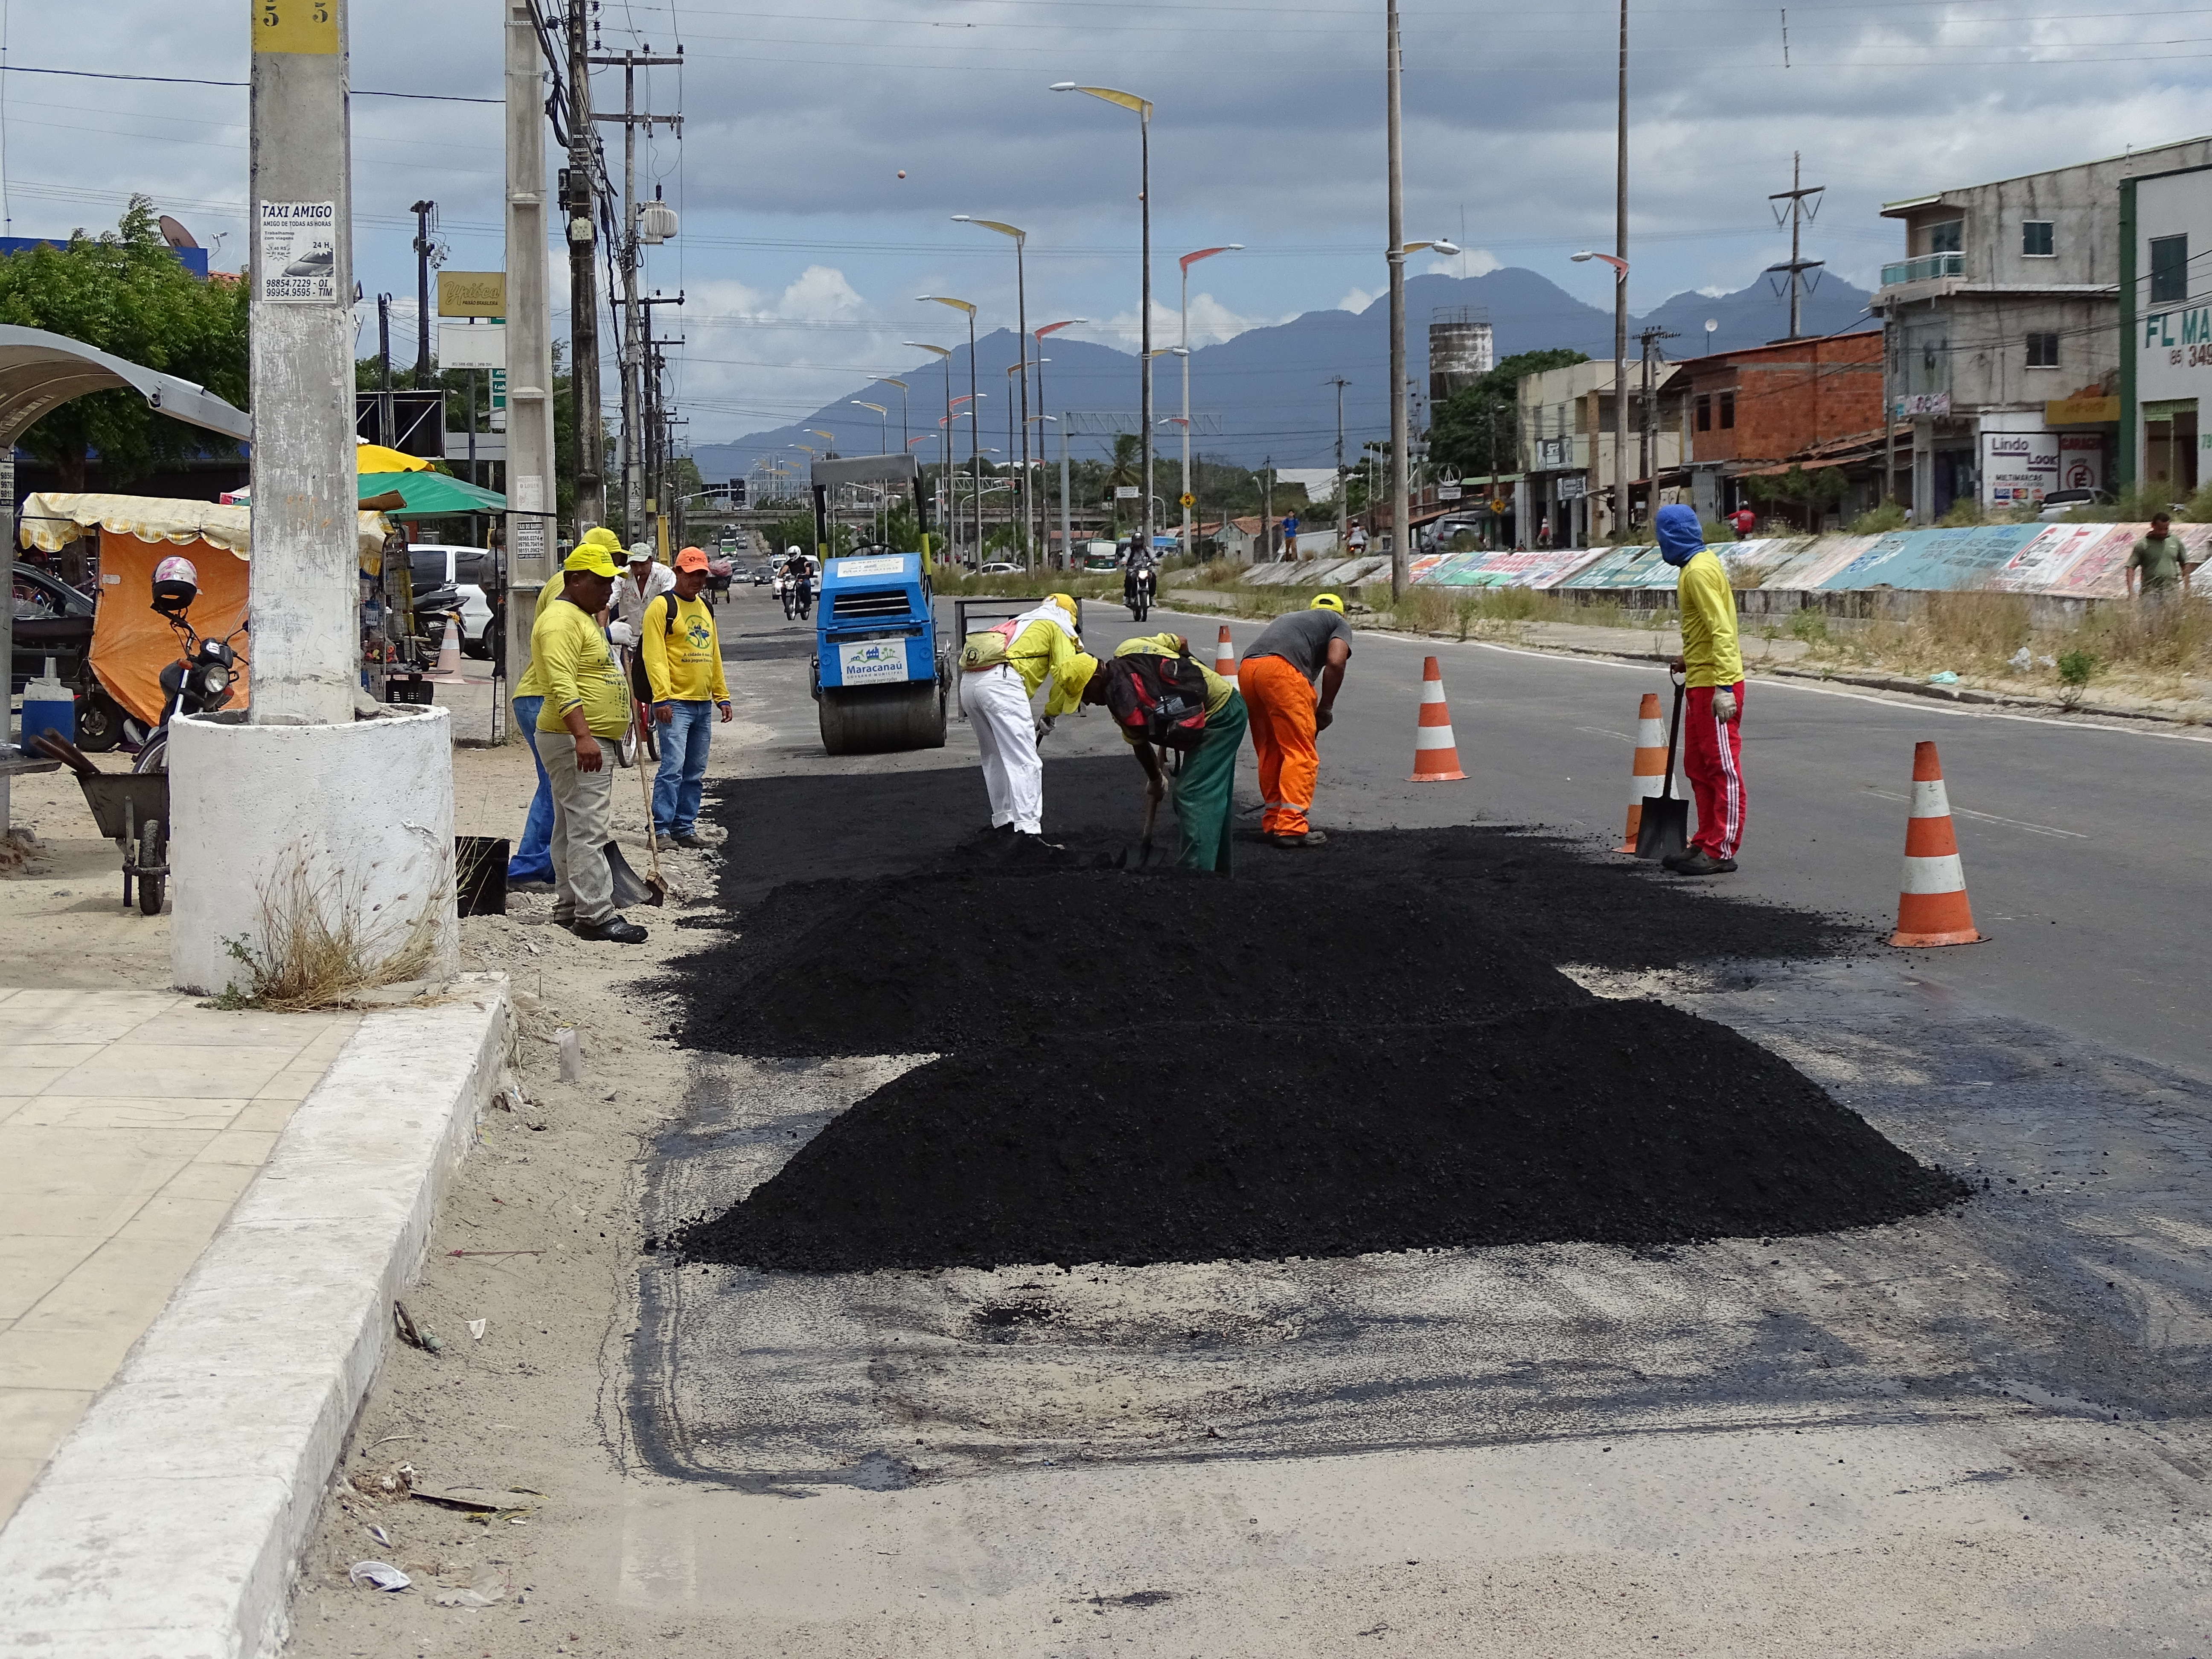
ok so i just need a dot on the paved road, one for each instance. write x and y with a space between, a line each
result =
2088 854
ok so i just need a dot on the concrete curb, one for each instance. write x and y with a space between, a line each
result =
167 1525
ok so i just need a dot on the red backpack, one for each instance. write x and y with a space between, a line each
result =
1158 700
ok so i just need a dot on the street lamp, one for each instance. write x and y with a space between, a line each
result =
943 355
1187 262
1021 339
1400 440
975 433
893 380
883 424
1038 335
1143 109
1619 382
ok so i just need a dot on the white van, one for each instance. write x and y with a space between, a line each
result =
435 565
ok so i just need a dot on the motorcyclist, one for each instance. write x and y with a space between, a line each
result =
803 586
785 581
1138 580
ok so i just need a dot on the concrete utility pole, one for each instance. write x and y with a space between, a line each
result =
384 421
627 253
1340 383
655 497
530 463
1798 216
583 281
1399 510
1650 457
422 210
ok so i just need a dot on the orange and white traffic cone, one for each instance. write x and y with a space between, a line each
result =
448 671
1224 656
1436 751
1932 906
1647 773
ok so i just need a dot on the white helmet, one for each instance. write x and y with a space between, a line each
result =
790 552
176 585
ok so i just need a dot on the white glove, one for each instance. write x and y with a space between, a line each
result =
1725 706
622 634
1044 728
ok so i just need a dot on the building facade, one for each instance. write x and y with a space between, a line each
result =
1753 412
2166 329
2003 315
1566 422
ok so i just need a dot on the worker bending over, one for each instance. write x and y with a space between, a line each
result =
683 668
1712 671
586 705
1290 679
1203 819
1002 668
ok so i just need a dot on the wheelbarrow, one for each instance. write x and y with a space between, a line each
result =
132 810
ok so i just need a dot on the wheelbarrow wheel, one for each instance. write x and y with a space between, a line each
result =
153 848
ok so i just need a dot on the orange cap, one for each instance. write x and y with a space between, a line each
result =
690 559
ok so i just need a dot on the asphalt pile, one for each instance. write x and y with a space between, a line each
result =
1369 1047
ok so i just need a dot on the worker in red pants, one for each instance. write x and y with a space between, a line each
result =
1712 715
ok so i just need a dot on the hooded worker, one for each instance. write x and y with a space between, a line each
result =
1712 674
1001 669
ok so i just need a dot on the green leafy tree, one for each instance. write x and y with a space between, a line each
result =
1481 420
124 292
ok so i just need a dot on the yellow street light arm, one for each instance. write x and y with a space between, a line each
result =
947 300
1128 100
1000 226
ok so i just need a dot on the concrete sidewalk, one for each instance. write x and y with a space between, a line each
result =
130 1122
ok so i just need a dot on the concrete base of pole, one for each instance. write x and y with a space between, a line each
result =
271 825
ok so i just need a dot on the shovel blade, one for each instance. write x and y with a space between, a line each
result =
630 888
1664 827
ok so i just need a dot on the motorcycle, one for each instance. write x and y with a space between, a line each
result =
202 677
1139 587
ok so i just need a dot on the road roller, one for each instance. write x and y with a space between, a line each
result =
881 672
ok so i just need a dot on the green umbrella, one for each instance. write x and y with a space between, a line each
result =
426 495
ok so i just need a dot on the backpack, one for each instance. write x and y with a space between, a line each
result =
988 648
1158 700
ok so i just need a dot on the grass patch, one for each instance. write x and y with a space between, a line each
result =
319 949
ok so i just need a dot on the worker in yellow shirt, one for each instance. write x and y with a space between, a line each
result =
1202 804
1712 674
533 856
1002 668
683 666
586 705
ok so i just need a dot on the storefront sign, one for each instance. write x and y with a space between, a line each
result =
472 294
299 252
1924 403
472 345
2018 467
2082 459
2080 411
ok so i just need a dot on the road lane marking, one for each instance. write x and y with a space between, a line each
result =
1989 817
1600 731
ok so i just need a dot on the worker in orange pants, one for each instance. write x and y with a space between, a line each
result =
1290 678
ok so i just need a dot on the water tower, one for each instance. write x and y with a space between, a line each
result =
1459 352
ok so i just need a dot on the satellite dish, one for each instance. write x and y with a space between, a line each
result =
174 233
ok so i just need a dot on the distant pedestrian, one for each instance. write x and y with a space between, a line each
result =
1290 678
684 667
585 704
1743 521
1291 536
533 856
1712 720
1543 533
1204 818
2158 563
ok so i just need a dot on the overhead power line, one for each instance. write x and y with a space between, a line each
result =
196 81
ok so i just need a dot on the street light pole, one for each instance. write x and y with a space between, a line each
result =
943 355
893 380
1397 206
1143 108
1187 262
974 402
1022 345
1619 376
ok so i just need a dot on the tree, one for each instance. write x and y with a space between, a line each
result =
125 293
1482 420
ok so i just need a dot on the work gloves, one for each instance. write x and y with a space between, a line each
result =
1725 706
622 634
1044 730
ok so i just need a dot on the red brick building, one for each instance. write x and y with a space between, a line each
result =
1769 402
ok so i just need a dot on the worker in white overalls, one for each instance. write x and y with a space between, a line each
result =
1002 668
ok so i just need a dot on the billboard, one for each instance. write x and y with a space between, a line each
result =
2018 468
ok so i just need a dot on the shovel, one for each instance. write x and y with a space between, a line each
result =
1664 829
1137 857
629 889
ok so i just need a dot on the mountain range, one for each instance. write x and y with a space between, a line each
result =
1266 391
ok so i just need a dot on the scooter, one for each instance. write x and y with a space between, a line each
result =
201 677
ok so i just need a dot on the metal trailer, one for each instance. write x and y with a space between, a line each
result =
882 669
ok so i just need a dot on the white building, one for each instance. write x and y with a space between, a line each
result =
2166 327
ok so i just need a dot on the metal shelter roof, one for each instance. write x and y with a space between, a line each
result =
39 370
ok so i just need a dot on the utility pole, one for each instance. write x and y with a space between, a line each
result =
649 397
384 369
1620 296
626 253
1340 383
1650 456
422 210
530 459
1798 217
1399 511
583 280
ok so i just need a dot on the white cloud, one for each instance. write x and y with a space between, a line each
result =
1358 299
1211 322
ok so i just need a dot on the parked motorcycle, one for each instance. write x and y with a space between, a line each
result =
201 677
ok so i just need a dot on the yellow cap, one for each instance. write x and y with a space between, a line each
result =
593 557
1327 602
1080 671
599 536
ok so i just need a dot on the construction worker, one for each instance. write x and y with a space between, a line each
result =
1002 668
533 858
684 667
586 704
1203 818
1712 715
646 580
1290 678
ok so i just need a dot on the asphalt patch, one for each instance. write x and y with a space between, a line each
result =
1624 1123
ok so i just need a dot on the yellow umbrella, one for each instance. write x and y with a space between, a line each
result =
375 458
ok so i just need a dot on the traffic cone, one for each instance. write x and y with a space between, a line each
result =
1224 656
1648 771
1932 906
448 671
1436 752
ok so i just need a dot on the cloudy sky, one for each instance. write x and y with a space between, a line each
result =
802 248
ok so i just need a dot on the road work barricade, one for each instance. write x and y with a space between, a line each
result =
1649 767
1932 906
1436 751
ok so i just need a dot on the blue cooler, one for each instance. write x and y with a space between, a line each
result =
49 706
